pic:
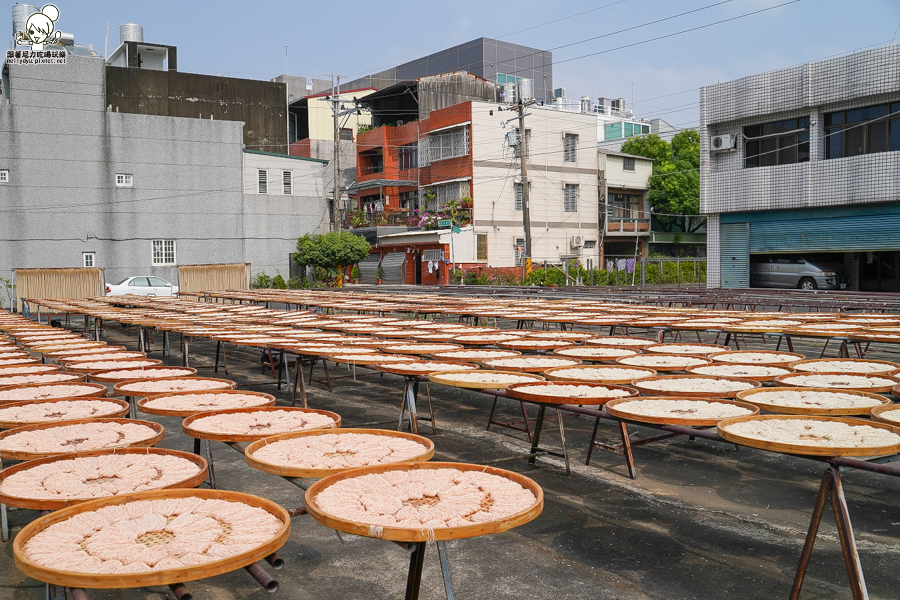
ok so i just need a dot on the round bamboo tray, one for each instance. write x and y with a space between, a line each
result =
640 385
890 338
660 420
493 339
57 347
103 356
401 534
699 370
100 390
519 391
623 360
411 348
446 378
40 379
827 333
106 376
554 374
534 344
802 449
396 370
228 437
12 359
142 403
497 354
126 363
121 388
119 412
366 358
757 397
288 471
153 578
785 380
16 455
53 504
573 362
886 368
67 354
28 369
757 329
880 413
718 357
667 349
601 354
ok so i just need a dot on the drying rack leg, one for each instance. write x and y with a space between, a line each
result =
445 569
831 486
414 578
212 469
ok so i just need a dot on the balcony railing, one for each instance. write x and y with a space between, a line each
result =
624 224
402 218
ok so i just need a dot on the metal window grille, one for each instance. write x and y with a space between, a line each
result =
849 134
408 157
481 247
433 255
627 164
263 182
124 180
450 143
520 200
446 192
777 143
570 198
346 134
570 145
163 252
287 179
520 251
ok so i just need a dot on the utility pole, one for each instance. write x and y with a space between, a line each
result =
336 162
523 168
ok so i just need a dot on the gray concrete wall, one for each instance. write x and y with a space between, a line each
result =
63 150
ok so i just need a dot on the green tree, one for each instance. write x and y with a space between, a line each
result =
675 184
331 250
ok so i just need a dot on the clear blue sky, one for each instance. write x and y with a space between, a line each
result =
354 38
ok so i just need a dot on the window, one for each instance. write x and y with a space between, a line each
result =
287 179
446 192
139 282
519 200
518 151
627 164
450 143
263 181
589 244
408 156
157 282
612 131
502 78
346 134
124 180
481 247
777 143
88 259
4 175
409 200
570 198
862 131
520 251
163 252
570 146
432 255
625 207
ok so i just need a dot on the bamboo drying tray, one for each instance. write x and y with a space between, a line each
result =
785 380
695 370
755 397
17 455
604 341
119 389
389 368
666 349
611 408
519 391
126 363
573 352
534 369
639 384
878 413
718 357
20 358
57 377
52 504
100 390
442 378
288 471
365 359
888 367
105 377
66 354
410 348
58 347
142 403
552 374
401 534
153 578
804 449
233 437
650 357
500 354
119 412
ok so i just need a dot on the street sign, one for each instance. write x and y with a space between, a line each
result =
445 223
455 229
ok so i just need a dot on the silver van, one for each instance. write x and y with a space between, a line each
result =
798 271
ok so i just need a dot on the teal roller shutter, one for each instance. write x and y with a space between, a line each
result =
735 254
836 234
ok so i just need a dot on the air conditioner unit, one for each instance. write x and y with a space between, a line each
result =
577 241
723 142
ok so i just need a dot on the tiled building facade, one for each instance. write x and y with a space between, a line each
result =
814 168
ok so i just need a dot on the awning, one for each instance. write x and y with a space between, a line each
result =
380 183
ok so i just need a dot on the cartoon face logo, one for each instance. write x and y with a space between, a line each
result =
39 29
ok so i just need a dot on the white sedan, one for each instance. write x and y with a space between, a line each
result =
142 286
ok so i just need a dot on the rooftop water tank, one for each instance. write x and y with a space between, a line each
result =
131 32
526 89
20 14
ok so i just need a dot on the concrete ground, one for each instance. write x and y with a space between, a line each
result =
700 521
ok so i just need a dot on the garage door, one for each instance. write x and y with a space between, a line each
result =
735 255
835 234
394 267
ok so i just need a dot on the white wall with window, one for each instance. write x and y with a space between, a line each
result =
162 252
4 175
88 259
124 180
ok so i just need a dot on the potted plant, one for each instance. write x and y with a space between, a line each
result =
379 274
354 274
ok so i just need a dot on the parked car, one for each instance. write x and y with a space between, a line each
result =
142 286
806 272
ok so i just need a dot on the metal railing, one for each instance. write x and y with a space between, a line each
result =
651 271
